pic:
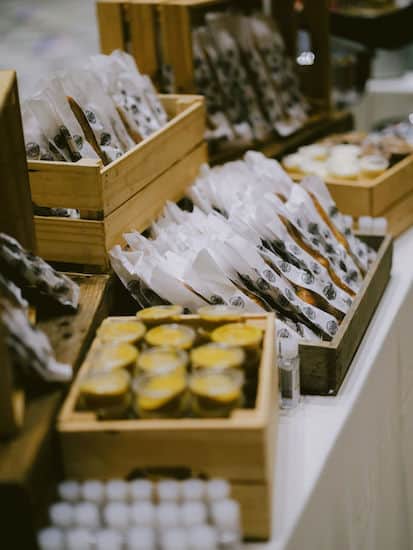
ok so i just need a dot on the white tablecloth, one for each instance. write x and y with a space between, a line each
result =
344 475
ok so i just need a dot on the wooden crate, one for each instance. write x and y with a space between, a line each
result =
240 448
324 365
121 196
389 195
159 33
30 464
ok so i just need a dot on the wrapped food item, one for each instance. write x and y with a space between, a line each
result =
161 395
12 293
163 359
36 143
30 348
58 124
216 356
113 356
159 314
31 272
171 335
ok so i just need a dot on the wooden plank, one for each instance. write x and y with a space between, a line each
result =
316 17
16 214
143 36
390 187
110 24
71 240
283 12
140 211
256 508
351 198
144 163
175 21
66 184
30 463
400 216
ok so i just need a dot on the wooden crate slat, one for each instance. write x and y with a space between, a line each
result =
66 184
71 240
137 168
142 34
111 26
16 214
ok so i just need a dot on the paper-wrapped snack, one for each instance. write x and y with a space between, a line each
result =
29 271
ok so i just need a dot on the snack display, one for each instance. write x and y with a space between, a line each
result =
100 110
351 156
172 372
22 276
251 89
197 515
254 241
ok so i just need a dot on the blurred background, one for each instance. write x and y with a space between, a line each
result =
371 47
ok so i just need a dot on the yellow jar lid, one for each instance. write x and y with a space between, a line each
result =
156 391
217 356
112 357
106 384
217 386
162 359
238 334
174 335
121 331
219 313
159 313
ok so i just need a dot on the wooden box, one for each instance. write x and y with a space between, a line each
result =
389 195
324 365
128 193
158 33
240 448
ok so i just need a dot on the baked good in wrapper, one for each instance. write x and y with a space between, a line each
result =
99 110
33 274
29 348
253 241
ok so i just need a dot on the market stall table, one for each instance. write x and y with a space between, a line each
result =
344 476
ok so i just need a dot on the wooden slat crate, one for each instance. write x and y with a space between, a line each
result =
159 33
240 448
389 195
122 195
324 365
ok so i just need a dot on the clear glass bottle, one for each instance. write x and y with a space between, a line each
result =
289 371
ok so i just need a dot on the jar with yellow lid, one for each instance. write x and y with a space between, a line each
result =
111 357
217 356
215 393
161 360
157 315
160 396
171 335
118 331
219 313
106 393
249 338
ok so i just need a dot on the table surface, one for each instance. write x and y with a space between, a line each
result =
308 434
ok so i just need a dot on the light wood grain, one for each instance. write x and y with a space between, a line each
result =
67 184
124 177
110 23
71 240
16 214
143 40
